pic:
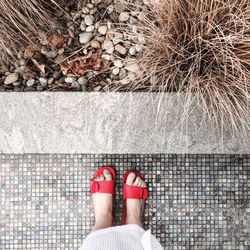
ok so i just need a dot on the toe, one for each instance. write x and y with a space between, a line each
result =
107 175
130 179
137 182
101 177
143 184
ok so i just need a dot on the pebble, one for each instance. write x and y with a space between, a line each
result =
85 37
132 67
82 81
132 51
69 79
123 17
108 46
13 77
43 81
17 84
97 88
89 20
30 82
120 49
50 80
83 26
90 28
115 71
106 57
123 73
117 38
76 85
102 29
118 63
95 44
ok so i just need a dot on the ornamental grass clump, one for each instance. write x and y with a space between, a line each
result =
201 48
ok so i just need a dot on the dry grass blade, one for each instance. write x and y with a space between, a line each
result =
201 48
22 22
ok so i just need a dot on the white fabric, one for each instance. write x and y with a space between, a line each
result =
127 237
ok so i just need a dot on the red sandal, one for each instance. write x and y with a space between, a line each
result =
107 187
132 192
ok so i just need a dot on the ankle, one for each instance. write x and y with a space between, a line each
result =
134 218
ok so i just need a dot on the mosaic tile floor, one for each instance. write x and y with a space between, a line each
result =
196 201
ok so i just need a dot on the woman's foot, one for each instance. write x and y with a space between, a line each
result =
103 204
135 207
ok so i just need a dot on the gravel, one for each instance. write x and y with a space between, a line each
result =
85 37
103 28
11 78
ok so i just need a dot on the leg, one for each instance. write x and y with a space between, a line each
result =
103 205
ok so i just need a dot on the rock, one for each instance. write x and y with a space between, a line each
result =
85 37
123 73
76 85
50 80
97 88
17 84
30 82
106 57
132 51
118 63
13 77
102 29
108 46
69 79
52 54
90 28
120 49
89 20
123 17
83 26
117 38
93 11
132 67
82 81
95 44
43 81
115 71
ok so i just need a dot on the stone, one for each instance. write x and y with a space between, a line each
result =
83 26
102 29
132 51
117 38
132 67
97 88
115 71
106 57
108 46
120 49
82 81
43 81
76 85
13 77
85 37
69 79
123 17
118 63
30 82
90 28
89 20
95 44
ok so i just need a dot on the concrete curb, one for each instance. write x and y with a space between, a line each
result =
75 122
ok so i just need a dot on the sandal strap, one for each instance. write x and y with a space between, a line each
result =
132 192
107 187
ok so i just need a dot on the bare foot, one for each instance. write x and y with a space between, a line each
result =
135 206
103 204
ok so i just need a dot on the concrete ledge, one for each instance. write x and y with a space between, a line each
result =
62 122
